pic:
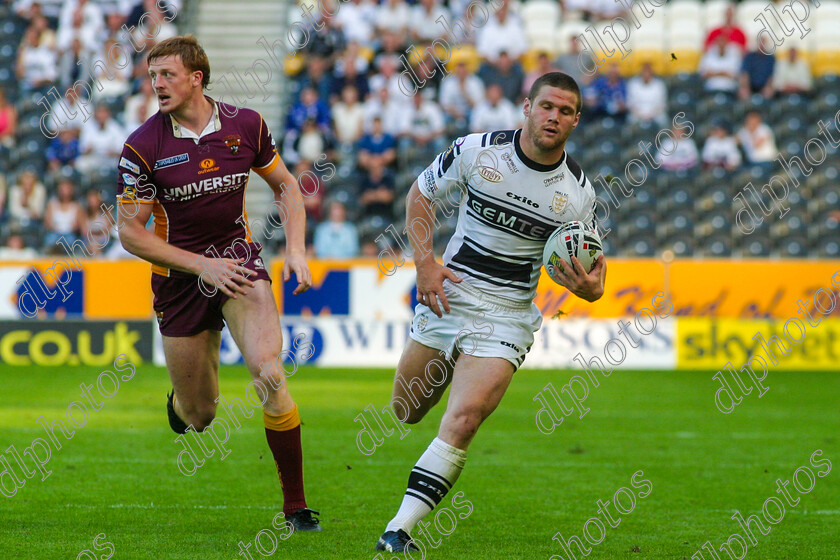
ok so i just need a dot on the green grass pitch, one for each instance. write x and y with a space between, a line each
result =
118 474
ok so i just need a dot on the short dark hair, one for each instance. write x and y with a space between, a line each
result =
558 80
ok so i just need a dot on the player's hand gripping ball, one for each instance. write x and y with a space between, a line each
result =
572 238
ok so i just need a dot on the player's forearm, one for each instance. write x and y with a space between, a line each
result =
291 200
418 212
149 247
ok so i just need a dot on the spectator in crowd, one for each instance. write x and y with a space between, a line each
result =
370 249
140 106
36 64
757 70
607 95
647 98
69 115
544 66
96 225
503 32
792 74
356 19
721 148
3 196
155 28
377 147
63 151
350 70
336 238
311 143
72 65
46 36
27 200
64 216
348 116
310 106
329 42
423 25
758 141
385 107
84 22
101 143
391 45
678 155
730 31
317 77
115 81
312 189
377 198
720 65
495 113
14 248
459 95
387 77
569 63
505 72
154 7
423 125
393 16
8 122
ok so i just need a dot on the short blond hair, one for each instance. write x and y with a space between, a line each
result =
192 55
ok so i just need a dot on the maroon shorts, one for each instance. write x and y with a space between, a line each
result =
185 309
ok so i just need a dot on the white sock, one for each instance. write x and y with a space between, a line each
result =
431 478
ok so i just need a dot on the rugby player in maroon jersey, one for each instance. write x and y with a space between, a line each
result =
188 165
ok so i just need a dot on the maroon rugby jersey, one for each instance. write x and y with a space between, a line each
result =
198 189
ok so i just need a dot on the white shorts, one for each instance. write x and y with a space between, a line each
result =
478 325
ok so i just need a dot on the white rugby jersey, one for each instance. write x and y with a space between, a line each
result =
508 205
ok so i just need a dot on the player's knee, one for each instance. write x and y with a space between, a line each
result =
465 422
200 417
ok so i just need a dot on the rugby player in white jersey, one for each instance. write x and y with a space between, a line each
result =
475 320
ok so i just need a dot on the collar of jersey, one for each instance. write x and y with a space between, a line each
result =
215 124
536 166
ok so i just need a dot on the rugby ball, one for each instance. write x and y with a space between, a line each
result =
572 238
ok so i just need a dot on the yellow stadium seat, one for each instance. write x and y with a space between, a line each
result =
826 63
294 66
686 62
467 54
530 59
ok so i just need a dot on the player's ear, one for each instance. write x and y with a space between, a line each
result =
526 108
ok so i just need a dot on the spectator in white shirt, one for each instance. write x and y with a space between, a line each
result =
720 66
83 19
388 109
394 16
758 141
140 106
348 116
356 19
37 65
647 98
422 124
502 32
100 143
424 26
460 94
792 74
27 201
721 149
336 238
495 113
678 155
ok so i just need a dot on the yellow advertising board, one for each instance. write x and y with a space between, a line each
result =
791 344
